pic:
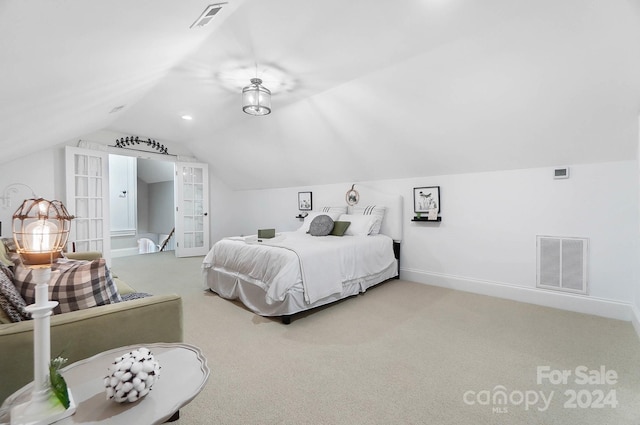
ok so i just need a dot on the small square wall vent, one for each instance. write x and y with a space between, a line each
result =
561 173
207 15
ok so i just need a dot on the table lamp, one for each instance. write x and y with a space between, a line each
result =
41 230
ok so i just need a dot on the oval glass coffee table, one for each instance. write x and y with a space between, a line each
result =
183 374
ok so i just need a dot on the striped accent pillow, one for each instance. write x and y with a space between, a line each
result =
334 212
75 284
375 210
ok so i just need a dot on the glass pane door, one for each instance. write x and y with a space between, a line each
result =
87 181
192 220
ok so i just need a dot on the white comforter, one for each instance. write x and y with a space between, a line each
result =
322 264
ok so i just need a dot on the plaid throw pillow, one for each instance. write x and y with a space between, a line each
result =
75 284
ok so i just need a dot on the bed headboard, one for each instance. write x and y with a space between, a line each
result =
393 216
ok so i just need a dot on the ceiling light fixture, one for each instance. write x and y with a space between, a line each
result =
256 99
186 117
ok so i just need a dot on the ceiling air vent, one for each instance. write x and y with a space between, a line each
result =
207 15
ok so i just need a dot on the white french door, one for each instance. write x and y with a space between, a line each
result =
87 182
192 206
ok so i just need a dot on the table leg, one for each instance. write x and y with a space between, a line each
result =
175 417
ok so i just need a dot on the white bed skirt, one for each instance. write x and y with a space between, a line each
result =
232 287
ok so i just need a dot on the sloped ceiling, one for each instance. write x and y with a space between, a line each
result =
362 90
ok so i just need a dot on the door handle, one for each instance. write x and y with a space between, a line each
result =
205 214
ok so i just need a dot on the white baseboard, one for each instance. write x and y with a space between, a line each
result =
123 252
565 301
635 319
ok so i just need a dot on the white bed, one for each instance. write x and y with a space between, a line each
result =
295 271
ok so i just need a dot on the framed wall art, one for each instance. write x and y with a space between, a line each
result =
426 199
305 202
352 196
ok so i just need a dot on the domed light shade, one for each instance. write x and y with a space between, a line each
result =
256 99
41 230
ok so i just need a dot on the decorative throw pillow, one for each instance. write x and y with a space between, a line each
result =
5 255
4 317
134 296
8 313
307 222
10 244
334 212
75 284
339 227
321 226
11 301
361 225
376 211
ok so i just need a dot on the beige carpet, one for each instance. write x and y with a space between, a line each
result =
402 353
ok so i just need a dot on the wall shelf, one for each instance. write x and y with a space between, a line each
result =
424 219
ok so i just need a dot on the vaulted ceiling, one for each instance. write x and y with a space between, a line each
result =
362 90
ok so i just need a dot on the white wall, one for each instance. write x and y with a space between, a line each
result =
636 306
123 195
486 242
41 171
162 205
142 204
226 215
272 208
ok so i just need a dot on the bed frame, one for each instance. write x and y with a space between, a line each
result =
293 305
286 318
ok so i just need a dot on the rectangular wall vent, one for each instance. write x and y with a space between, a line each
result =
562 263
207 15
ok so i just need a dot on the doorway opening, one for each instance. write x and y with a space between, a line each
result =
142 205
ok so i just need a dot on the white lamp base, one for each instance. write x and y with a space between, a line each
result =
42 409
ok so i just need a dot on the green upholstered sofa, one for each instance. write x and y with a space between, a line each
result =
80 334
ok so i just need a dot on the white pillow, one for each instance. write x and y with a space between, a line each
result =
335 210
361 225
309 218
376 211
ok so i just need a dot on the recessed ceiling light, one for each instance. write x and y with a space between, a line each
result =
186 117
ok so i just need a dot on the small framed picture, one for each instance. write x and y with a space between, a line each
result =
426 199
352 196
304 201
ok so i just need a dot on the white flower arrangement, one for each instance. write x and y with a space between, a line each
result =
131 376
